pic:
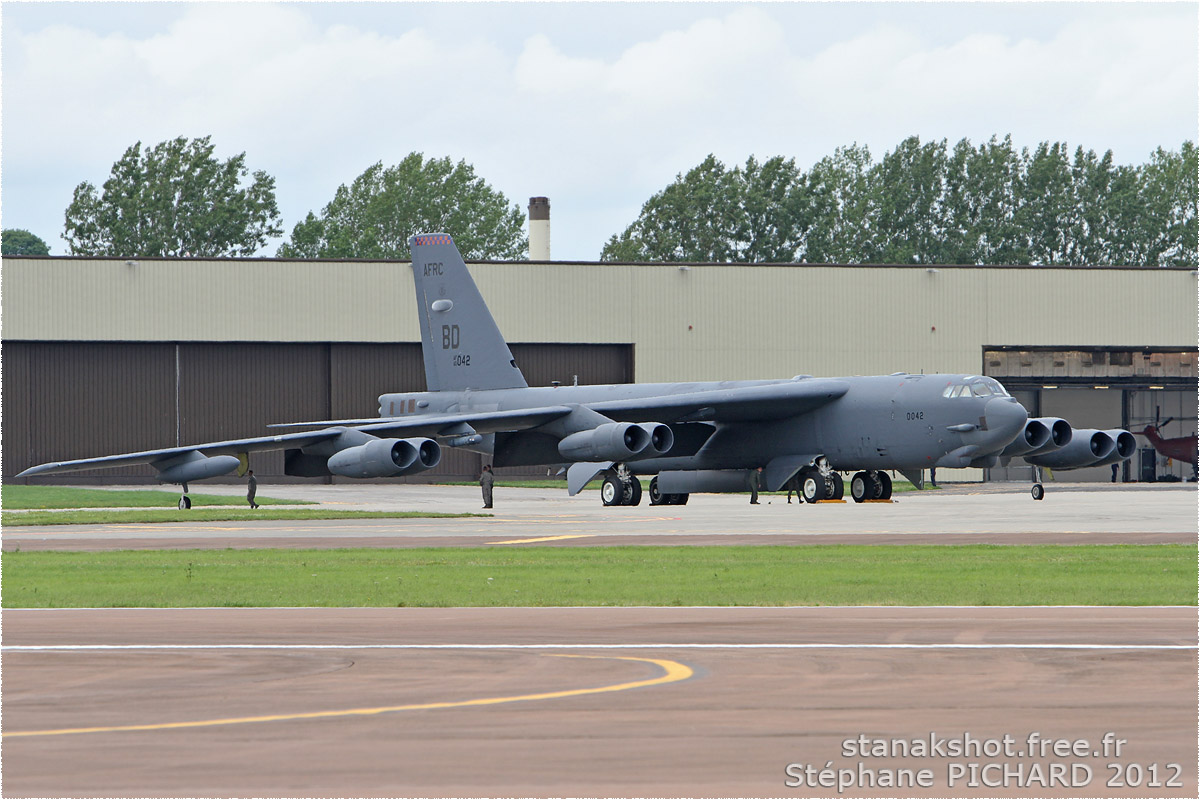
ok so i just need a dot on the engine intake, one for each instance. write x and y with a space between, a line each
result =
612 441
1034 436
386 458
1060 436
1125 447
662 438
1088 447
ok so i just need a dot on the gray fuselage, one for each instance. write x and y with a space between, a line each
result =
881 422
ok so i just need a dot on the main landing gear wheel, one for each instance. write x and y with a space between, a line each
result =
835 488
863 487
612 491
1038 492
657 498
812 485
633 492
885 486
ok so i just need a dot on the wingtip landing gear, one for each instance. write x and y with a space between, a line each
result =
185 502
1037 492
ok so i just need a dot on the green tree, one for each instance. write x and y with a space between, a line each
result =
907 190
376 214
20 242
174 199
755 213
839 207
1047 209
1168 235
1090 235
980 206
692 219
922 204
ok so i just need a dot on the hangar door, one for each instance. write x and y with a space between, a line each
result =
66 400
1104 388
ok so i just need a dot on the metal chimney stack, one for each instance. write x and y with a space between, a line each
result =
539 229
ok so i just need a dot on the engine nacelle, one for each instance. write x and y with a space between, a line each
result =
662 438
1126 446
1034 436
612 441
386 458
1088 447
195 466
1060 436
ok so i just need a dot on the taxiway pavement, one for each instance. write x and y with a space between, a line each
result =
975 513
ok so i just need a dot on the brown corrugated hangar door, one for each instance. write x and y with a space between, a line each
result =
66 400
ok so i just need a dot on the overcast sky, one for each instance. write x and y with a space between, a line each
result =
596 106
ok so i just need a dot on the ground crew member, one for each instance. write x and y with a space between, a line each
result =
752 484
251 489
487 480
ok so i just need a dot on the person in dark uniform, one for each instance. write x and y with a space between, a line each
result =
752 484
487 480
251 489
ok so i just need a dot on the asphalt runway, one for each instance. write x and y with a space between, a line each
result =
597 702
974 513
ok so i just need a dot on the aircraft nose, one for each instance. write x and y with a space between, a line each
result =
1005 419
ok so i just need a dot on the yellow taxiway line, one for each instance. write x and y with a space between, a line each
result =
546 538
673 672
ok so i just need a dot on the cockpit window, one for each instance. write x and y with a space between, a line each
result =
996 386
976 387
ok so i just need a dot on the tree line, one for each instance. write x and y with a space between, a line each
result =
926 203
923 203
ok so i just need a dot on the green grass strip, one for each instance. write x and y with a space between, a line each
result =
975 575
17 496
140 515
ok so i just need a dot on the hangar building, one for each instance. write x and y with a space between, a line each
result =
104 355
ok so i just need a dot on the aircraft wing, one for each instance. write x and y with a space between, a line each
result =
735 404
446 424
232 447
431 425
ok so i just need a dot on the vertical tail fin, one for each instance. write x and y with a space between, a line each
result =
462 346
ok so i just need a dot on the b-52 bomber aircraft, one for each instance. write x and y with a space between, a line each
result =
690 437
